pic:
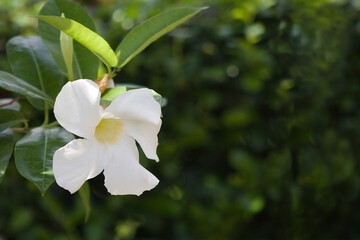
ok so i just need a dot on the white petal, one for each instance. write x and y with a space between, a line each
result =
77 107
78 161
138 104
123 173
145 134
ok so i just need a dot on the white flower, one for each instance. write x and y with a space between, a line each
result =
109 138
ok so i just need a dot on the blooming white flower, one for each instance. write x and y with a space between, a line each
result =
109 138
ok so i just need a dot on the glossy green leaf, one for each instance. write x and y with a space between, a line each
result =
85 63
91 40
31 61
19 86
111 93
6 149
9 118
149 31
34 153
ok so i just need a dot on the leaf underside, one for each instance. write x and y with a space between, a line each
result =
19 86
88 38
85 63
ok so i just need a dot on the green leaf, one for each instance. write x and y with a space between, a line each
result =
6 149
85 63
19 86
67 50
84 192
34 153
111 93
149 31
48 172
91 40
161 100
101 71
9 118
31 61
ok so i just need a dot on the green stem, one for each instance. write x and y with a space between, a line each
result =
26 125
51 104
109 70
113 73
70 73
50 125
46 118
20 130
25 129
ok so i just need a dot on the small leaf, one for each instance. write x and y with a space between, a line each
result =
31 61
9 118
111 93
85 63
85 36
6 149
34 153
161 100
84 192
101 71
48 172
19 86
149 31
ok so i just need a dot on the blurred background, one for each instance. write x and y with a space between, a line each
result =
260 136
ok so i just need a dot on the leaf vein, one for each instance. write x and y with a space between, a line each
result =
37 68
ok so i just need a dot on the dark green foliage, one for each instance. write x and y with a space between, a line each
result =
260 136
31 61
39 144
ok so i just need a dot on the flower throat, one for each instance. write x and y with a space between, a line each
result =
108 130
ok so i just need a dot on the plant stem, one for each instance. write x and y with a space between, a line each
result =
50 125
22 130
26 125
113 73
109 70
46 117
70 73
12 101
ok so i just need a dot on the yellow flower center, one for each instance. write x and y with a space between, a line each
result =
108 130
